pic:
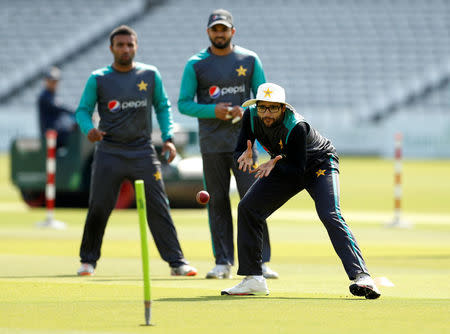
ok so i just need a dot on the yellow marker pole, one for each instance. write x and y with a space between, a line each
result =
142 211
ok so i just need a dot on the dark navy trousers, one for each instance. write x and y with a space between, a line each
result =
217 169
270 193
108 172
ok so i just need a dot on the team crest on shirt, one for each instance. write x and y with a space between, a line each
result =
114 106
320 172
142 85
241 71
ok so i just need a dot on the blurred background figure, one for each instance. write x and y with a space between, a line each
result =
52 114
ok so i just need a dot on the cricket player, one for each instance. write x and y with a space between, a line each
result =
301 158
125 93
221 78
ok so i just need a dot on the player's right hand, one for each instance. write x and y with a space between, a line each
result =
265 168
246 159
95 135
222 111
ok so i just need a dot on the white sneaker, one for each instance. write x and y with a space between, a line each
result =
249 286
364 285
268 273
183 270
86 269
220 271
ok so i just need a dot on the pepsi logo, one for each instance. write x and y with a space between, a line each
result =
214 92
114 106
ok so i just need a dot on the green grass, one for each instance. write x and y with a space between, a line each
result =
39 292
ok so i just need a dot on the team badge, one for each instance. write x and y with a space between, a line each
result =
241 71
267 92
142 85
157 176
320 172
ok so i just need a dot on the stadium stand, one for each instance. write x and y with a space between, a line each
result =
349 66
42 33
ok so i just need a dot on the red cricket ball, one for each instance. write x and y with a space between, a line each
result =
202 197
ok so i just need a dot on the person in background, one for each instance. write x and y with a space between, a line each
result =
221 78
52 114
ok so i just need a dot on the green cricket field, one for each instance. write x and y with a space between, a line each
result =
40 292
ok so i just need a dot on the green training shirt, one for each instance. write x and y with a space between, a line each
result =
124 102
209 79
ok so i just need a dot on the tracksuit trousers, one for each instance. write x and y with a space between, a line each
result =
108 172
271 192
217 169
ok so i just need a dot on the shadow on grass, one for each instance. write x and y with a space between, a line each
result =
268 298
39 276
106 279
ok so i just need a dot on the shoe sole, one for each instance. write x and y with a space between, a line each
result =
364 291
85 274
224 293
218 277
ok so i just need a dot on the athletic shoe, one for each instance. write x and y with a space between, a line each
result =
249 286
268 273
86 269
183 270
364 285
220 271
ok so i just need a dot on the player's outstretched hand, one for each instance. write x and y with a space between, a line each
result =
265 168
170 148
95 135
246 159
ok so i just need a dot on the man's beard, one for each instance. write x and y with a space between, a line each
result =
274 123
124 62
222 45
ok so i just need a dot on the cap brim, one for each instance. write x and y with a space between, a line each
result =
225 23
249 102
253 101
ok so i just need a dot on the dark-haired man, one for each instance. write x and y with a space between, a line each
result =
301 158
124 93
53 114
222 77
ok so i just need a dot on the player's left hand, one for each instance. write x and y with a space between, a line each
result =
169 147
265 168
246 159
235 112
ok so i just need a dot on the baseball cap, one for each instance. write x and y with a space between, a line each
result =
220 16
269 92
53 73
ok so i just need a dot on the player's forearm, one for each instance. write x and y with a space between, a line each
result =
85 109
84 120
188 107
165 122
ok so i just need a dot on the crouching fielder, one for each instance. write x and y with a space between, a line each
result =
301 158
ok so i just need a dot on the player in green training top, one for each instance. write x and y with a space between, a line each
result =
124 94
222 77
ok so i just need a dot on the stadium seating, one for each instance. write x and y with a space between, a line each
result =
38 34
339 61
